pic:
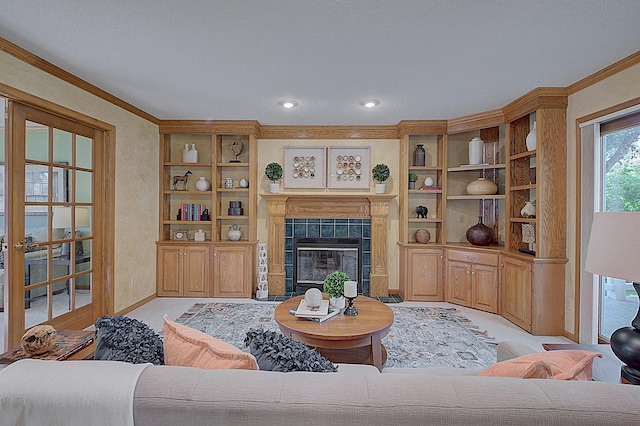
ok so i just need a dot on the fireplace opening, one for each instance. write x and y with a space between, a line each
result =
315 258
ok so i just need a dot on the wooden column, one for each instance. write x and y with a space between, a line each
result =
275 252
379 279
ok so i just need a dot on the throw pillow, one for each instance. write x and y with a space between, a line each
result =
125 339
562 365
275 352
188 347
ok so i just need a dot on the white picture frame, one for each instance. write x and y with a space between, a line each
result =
354 172
304 167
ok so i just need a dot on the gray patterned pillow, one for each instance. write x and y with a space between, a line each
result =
275 352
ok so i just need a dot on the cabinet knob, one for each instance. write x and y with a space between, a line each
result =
468 272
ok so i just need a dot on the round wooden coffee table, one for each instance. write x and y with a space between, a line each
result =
344 339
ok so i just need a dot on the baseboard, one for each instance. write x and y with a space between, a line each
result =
135 305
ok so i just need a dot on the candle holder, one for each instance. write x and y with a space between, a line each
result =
351 310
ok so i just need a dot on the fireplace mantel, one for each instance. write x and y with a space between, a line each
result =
329 205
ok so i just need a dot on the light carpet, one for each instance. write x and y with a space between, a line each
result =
419 337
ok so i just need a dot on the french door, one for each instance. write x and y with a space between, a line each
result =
51 223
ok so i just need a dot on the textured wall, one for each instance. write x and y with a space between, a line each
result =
136 175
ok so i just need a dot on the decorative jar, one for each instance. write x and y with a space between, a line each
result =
234 233
531 138
482 186
419 156
476 149
244 183
480 234
529 209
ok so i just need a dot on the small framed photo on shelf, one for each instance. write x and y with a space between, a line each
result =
349 167
180 235
304 167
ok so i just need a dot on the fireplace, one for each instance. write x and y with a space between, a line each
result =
330 215
315 258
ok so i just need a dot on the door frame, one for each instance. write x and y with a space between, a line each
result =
104 146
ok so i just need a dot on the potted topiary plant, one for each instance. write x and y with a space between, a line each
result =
412 180
273 171
334 287
380 174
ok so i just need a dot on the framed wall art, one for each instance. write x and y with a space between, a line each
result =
349 167
304 167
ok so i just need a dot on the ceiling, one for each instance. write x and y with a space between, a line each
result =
237 59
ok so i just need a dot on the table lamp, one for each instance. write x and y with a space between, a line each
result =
613 251
62 220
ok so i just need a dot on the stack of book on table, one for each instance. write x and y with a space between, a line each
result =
318 314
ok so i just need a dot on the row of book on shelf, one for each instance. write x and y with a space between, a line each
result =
191 211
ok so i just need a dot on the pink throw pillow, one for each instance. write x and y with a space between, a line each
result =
188 347
561 365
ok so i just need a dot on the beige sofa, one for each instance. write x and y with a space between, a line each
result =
357 395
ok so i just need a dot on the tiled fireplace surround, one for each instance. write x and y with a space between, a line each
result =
327 228
323 214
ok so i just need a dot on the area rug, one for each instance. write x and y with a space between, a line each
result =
419 337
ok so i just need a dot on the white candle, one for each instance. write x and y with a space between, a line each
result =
350 289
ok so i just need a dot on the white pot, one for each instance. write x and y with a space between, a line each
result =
274 187
202 184
381 188
482 186
337 302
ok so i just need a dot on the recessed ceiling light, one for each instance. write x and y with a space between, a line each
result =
370 103
288 104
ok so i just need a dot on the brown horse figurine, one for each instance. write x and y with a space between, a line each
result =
184 179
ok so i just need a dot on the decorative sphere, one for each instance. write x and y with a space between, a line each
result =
313 298
423 236
39 339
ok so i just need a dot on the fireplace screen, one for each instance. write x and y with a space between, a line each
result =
315 258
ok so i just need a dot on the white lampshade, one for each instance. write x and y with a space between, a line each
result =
614 245
62 217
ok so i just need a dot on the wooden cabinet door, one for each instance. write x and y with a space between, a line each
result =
516 292
424 274
196 276
459 283
232 271
485 288
169 271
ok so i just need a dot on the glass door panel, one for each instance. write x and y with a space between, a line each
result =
620 191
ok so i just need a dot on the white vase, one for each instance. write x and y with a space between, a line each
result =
199 236
337 302
381 188
244 183
190 155
202 184
529 209
531 138
476 149
274 187
482 186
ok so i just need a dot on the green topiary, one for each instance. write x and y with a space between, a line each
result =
413 177
334 283
380 173
273 171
